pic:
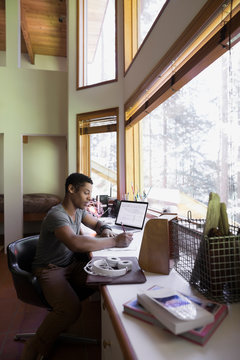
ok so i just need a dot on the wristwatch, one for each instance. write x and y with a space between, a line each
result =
105 226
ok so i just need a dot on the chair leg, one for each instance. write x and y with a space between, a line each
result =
65 337
23 336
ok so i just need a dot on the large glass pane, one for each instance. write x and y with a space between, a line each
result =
103 163
148 11
191 142
100 41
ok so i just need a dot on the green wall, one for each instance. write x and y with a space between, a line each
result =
32 102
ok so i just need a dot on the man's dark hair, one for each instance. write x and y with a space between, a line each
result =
77 180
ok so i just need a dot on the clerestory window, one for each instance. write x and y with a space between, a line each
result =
96 42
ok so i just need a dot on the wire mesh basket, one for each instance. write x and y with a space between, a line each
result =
210 264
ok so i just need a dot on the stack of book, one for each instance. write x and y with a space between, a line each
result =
190 317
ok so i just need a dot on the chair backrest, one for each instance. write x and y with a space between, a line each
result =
20 254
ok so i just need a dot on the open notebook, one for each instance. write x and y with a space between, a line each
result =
131 215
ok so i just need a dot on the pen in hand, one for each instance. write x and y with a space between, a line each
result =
123 227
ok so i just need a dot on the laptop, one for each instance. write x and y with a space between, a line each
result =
131 215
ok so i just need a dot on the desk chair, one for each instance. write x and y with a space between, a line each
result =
20 254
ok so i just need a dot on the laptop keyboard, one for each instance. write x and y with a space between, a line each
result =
119 228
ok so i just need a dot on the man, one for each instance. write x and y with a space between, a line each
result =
60 257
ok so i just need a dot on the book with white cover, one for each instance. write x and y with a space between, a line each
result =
174 310
200 335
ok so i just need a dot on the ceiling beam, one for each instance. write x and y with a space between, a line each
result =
26 35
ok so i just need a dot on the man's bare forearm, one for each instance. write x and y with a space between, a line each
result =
86 243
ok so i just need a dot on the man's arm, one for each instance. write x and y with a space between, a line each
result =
96 225
85 243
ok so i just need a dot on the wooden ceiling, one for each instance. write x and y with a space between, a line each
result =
43 27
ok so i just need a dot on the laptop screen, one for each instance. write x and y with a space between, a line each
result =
132 214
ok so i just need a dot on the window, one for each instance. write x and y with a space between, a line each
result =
139 16
96 42
191 144
187 135
97 150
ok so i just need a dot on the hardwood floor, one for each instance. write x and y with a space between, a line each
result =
17 317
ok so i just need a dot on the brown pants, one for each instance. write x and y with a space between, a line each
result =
64 289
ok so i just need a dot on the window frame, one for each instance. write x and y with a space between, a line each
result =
83 143
81 65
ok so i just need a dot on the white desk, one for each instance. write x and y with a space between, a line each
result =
124 337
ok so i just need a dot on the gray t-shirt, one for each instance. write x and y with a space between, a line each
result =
49 249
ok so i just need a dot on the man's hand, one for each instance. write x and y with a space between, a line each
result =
107 233
124 239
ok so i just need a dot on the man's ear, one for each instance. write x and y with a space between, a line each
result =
71 189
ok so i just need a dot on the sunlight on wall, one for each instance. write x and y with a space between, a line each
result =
44 165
